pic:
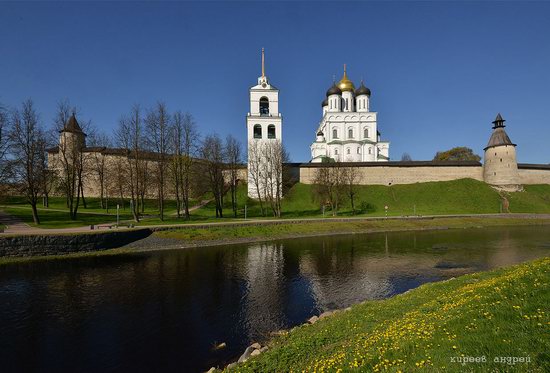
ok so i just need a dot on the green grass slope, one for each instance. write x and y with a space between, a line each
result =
464 196
493 316
534 198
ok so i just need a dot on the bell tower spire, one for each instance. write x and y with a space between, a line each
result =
263 63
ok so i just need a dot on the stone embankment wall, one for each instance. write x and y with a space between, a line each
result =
61 244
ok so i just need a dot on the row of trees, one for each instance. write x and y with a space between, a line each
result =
153 150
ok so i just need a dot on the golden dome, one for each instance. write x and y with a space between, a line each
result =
345 84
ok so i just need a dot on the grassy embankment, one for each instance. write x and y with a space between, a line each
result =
464 196
288 230
497 315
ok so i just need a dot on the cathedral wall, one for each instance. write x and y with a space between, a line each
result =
391 175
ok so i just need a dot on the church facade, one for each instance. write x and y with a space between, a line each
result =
348 131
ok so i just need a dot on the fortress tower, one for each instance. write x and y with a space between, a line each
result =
71 139
500 167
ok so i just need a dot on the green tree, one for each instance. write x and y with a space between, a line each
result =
460 153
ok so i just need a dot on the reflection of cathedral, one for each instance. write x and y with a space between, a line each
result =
348 131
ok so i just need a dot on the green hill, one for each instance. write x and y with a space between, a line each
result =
465 196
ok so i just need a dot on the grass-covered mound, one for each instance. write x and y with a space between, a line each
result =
464 196
500 317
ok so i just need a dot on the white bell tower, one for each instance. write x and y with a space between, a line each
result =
264 125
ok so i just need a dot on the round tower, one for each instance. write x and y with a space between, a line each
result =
72 138
500 166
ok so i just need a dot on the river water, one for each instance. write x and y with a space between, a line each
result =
165 310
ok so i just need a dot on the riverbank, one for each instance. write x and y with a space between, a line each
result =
143 239
212 235
490 321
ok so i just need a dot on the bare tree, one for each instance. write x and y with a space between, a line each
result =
176 135
328 186
70 163
129 138
27 142
98 166
233 154
274 156
255 171
212 154
350 176
158 131
184 145
4 147
406 157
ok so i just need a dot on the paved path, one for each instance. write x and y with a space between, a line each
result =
239 222
13 224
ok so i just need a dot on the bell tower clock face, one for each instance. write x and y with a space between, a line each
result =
264 84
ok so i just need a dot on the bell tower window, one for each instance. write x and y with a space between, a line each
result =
271 131
257 131
264 106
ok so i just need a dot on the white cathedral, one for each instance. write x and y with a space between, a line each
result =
348 131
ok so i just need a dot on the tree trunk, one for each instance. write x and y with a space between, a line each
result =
35 217
82 193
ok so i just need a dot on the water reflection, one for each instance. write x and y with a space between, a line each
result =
165 310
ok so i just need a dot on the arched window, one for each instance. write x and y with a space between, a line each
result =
366 133
335 151
334 133
358 150
370 150
348 151
264 106
350 133
271 131
257 131
346 104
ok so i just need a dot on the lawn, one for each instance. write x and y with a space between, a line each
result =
60 219
465 196
492 321
94 205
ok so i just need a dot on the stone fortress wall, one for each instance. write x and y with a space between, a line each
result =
394 173
391 173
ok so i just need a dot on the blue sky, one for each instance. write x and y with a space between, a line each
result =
439 71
